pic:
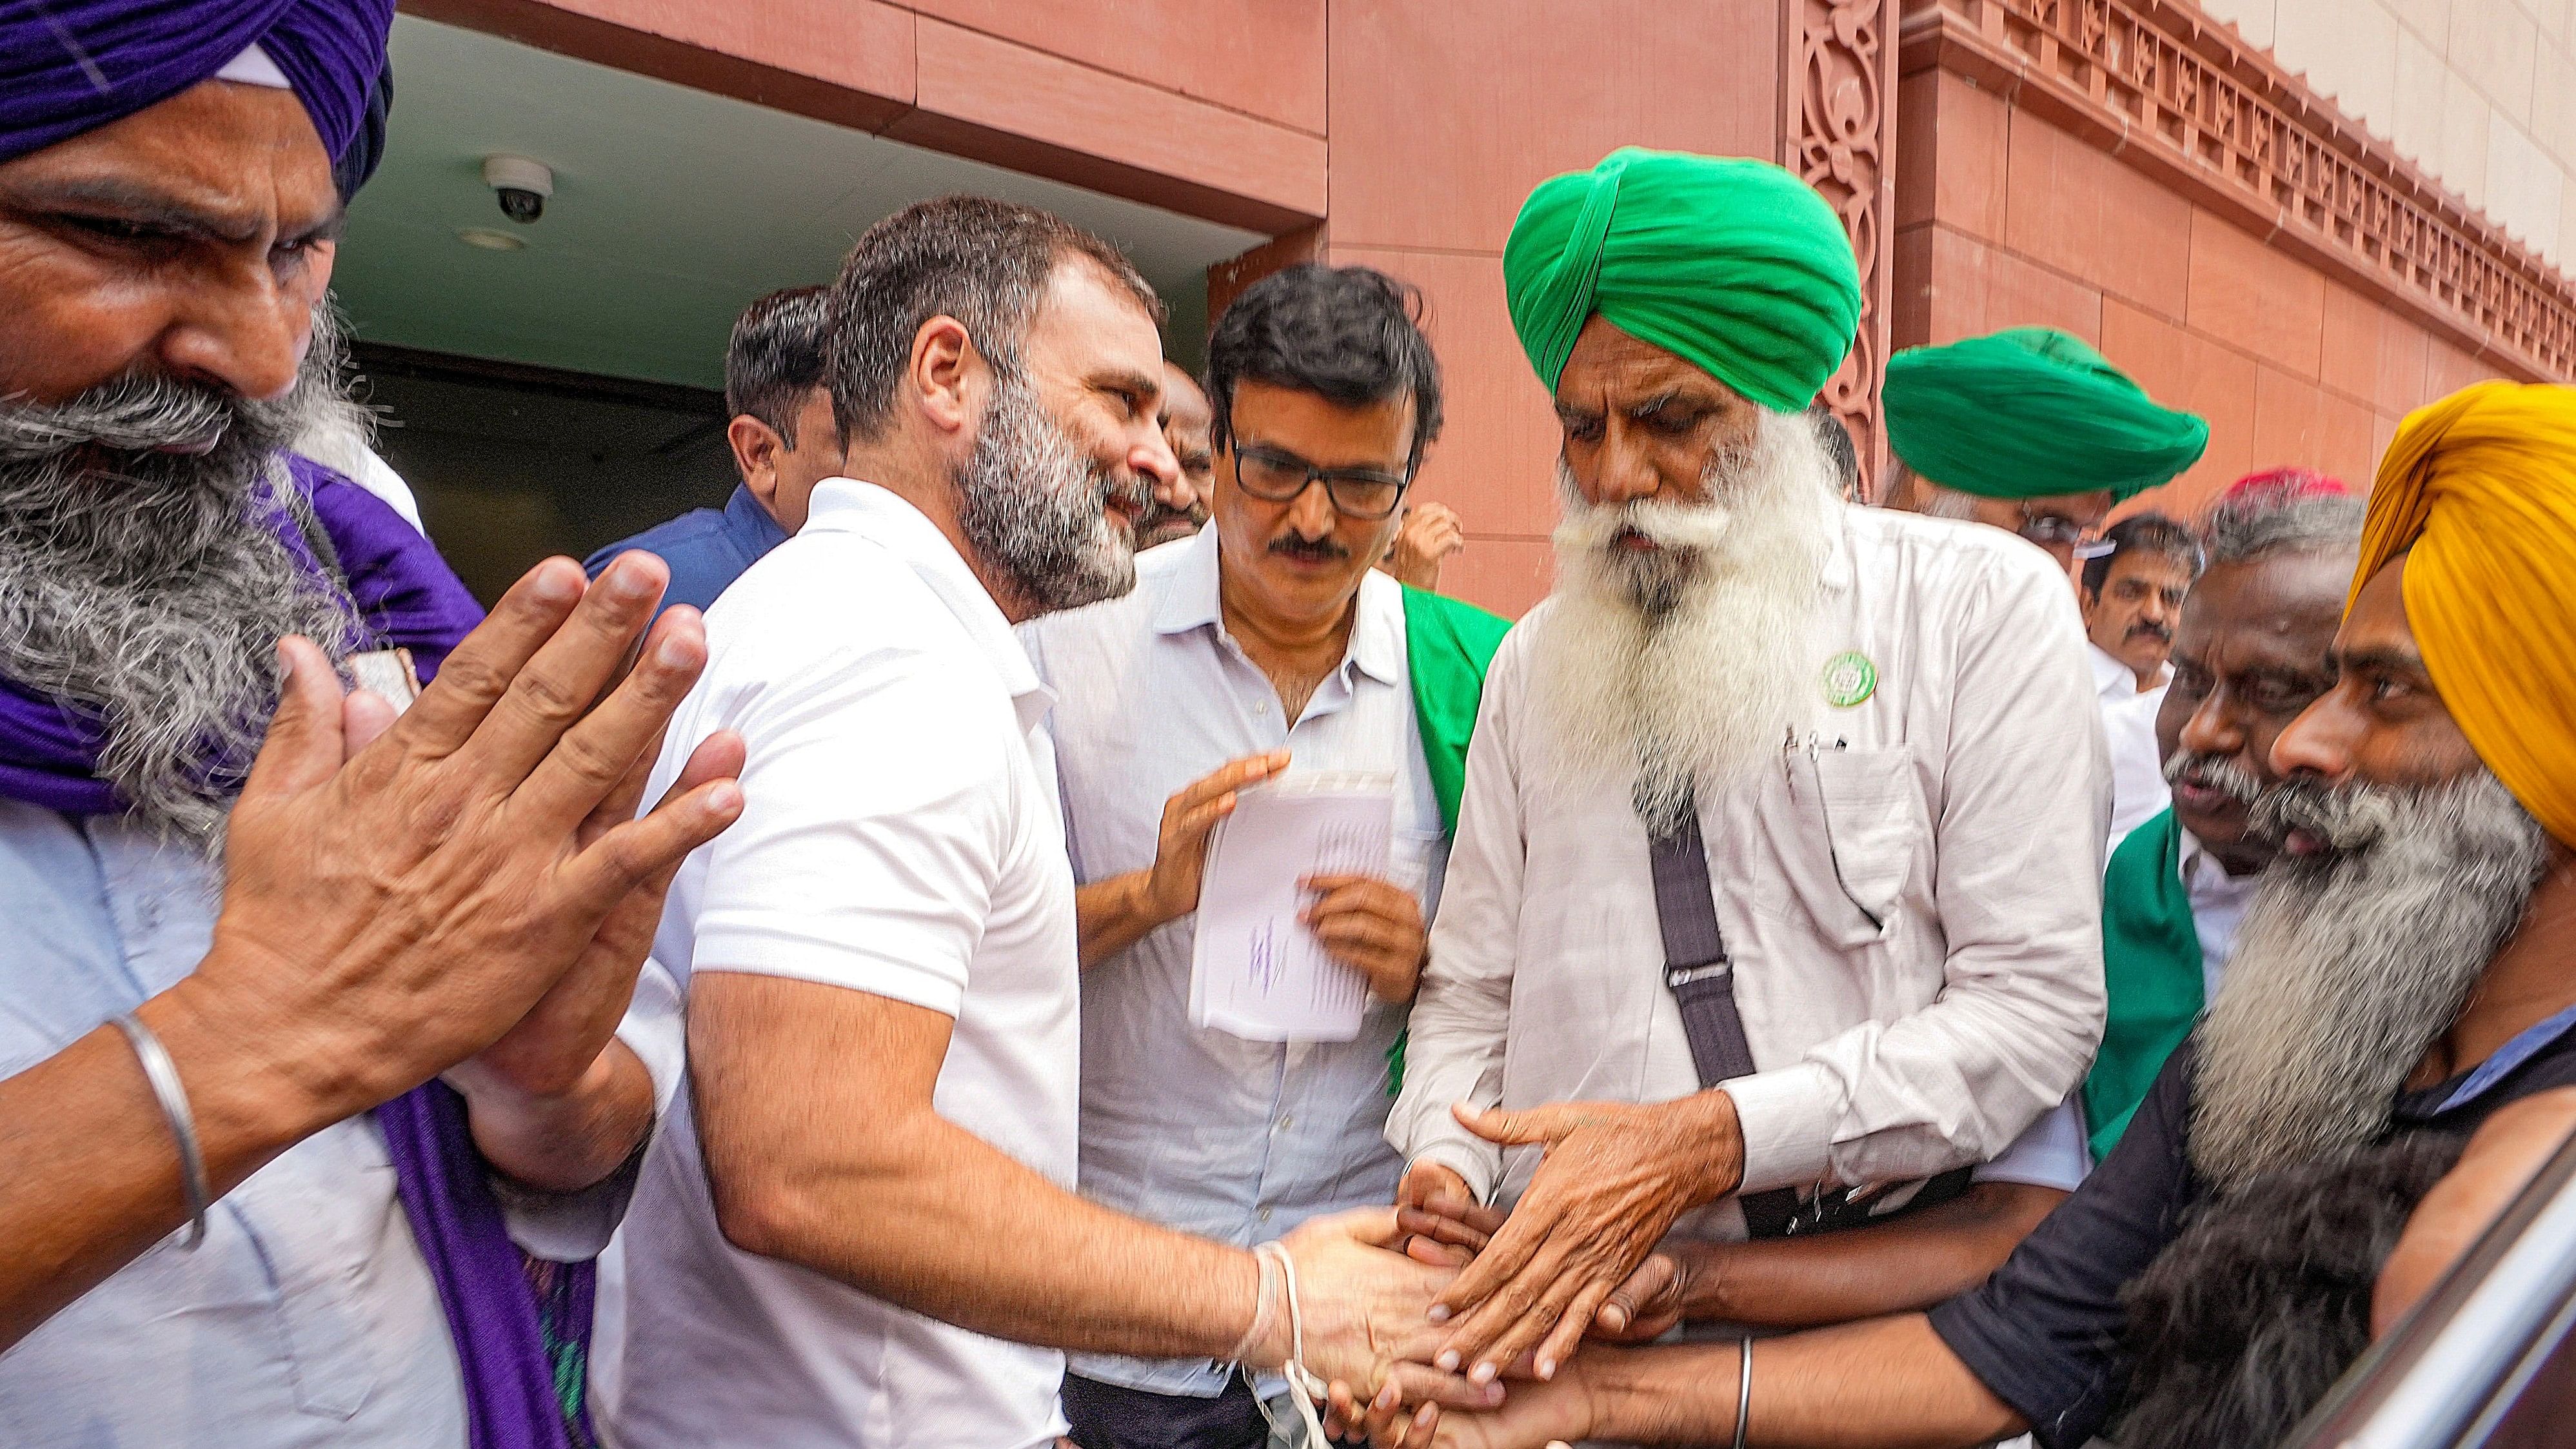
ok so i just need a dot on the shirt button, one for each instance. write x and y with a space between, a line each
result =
1265 1215
1287 1122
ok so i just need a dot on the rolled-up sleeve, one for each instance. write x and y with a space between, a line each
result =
2020 813
1462 1014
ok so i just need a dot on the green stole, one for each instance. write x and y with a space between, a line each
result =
1448 645
2150 974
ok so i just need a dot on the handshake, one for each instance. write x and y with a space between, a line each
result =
1479 1297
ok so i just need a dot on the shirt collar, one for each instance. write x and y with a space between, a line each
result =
2204 876
745 516
1190 600
846 505
2526 1044
2109 674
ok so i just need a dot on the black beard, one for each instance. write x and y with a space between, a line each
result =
138 586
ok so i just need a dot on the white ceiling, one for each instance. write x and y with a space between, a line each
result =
673 208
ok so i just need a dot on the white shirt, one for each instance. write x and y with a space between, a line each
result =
1913 906
2218 902
307 1317
1230 1139
899 836
2138 789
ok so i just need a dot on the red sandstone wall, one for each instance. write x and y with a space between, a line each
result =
1441 118
2005 219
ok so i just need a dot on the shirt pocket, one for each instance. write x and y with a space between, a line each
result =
1858 823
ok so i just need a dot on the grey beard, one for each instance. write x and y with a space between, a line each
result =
138 586
2351 964
2218 772
1030 506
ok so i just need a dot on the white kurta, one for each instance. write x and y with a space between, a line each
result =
1911 896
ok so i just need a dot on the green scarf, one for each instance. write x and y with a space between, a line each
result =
2150 972
1448 645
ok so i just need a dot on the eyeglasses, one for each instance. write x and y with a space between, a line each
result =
2048 528
1276 477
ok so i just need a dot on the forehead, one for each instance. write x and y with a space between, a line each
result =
1322 431
1610 368
2376 623
1087 319
238 157
1182 401
2151 564
2278 607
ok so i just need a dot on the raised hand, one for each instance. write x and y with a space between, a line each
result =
1614 1178
394 909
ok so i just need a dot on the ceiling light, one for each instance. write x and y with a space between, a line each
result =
488 239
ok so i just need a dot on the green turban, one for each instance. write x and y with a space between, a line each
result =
2028 412
1736 266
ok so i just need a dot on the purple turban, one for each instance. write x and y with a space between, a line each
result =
69 66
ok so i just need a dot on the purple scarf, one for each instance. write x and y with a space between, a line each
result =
521 1328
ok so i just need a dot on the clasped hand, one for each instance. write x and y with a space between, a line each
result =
1575 1256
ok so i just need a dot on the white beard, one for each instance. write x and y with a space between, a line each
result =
1679 669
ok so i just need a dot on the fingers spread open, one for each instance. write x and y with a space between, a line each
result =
479 670
562 681
1500 1263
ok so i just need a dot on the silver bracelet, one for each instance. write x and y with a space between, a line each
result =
1743 1389
163 1074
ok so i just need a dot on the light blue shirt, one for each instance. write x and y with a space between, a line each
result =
1235 1140
307 1316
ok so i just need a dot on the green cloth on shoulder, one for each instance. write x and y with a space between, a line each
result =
2029 412
1732 264
2150 974
1448 645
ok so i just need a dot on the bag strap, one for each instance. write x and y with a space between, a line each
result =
1702 980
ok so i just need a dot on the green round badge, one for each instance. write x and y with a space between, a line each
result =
1850 679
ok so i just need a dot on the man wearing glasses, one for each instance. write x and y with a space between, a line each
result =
2031 431
1266 640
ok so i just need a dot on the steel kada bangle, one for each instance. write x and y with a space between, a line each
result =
1743 1389
163 1074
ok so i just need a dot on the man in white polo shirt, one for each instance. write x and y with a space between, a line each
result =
873 1170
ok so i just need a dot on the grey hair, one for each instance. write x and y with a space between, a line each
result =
2260 521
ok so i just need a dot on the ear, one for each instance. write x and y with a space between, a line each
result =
946 376
756 446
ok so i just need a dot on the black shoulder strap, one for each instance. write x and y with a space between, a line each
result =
1702 980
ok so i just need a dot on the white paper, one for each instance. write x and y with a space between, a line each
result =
1257 971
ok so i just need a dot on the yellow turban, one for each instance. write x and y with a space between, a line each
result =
2479 491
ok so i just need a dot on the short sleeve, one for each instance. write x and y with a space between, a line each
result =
2044 1333
877 800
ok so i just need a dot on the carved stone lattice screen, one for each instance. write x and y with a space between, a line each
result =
2193 104
1839 69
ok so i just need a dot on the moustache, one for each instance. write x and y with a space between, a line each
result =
2156 632
1318 550
2342 821
2213 772
138 413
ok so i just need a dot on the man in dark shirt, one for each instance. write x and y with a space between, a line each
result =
784 442
2388 979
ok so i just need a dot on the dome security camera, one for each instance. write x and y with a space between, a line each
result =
523 185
